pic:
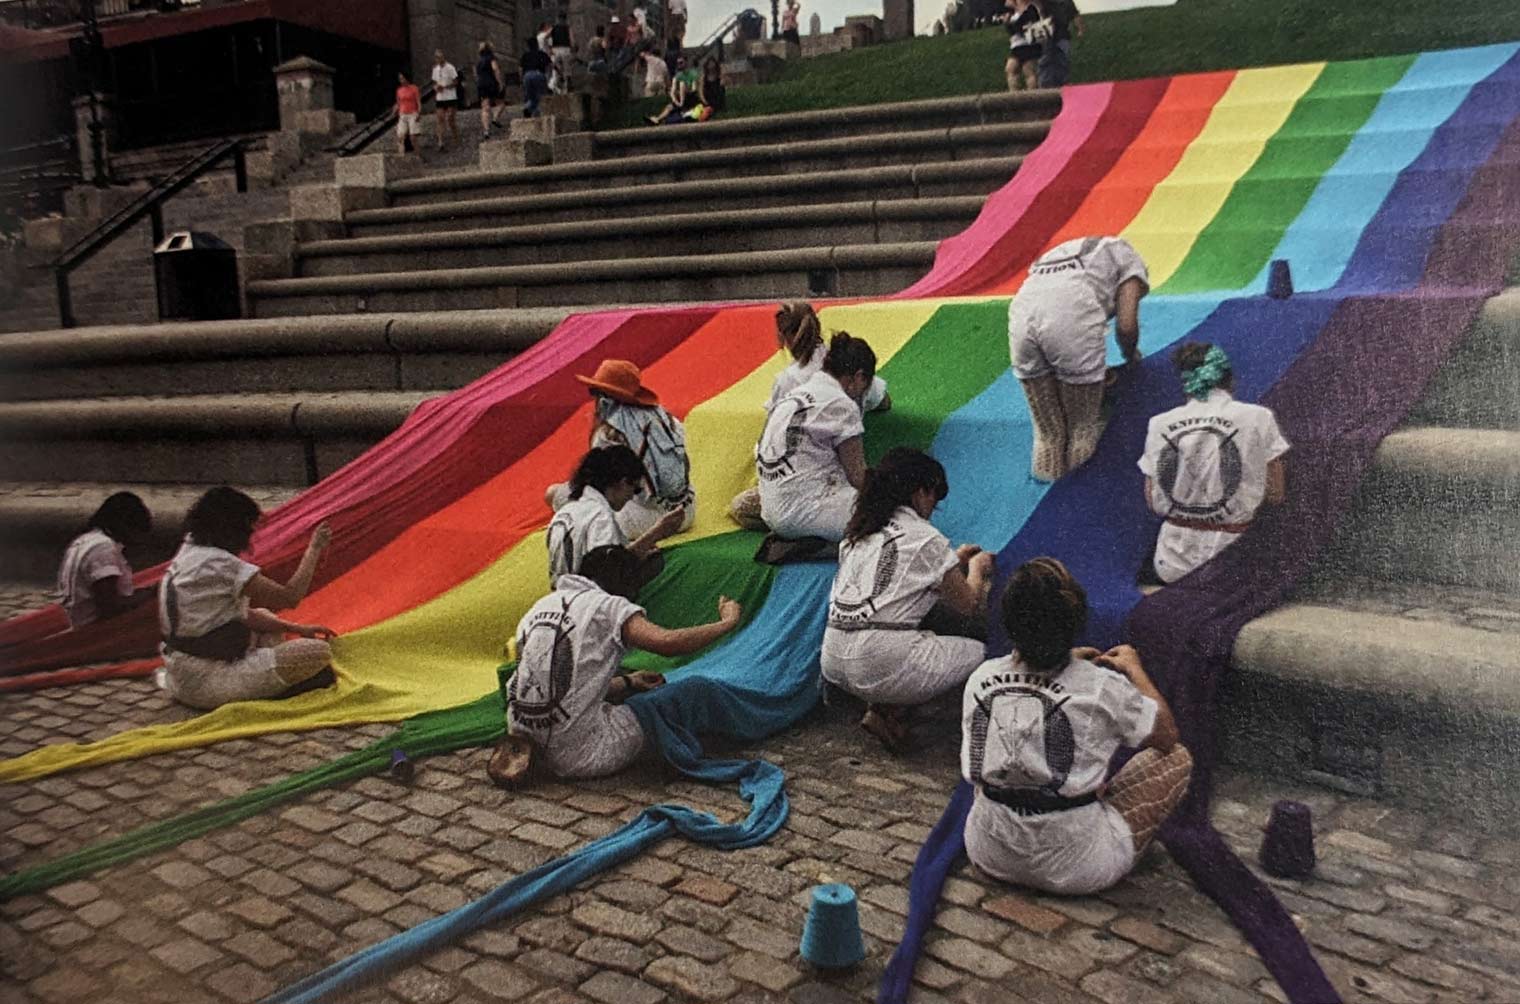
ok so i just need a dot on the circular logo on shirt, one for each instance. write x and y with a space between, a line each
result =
1199 471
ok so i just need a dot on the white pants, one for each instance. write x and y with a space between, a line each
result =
1180 549
802 508
636 518
1073 852
209 683
613 744
1043 338
898 667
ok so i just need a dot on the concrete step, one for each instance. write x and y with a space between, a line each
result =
866 222
1404 692
357 352
1479 386
767 159
831 123
929 179
848 270
37 521
271 439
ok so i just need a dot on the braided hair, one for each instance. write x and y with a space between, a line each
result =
891 484
1044 610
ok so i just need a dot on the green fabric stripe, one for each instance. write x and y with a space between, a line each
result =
1232 249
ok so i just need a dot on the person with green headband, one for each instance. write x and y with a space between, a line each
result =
1209 464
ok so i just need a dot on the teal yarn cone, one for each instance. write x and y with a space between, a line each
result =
831 937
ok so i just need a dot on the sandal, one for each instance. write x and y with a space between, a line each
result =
512 763
889 729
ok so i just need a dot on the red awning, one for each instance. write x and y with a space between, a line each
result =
377 22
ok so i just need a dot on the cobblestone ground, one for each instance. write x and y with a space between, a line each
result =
1404 907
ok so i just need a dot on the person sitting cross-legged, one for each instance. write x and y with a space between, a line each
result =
564 705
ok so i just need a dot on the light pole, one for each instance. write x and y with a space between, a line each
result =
775 18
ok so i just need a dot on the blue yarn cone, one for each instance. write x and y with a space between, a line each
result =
831 937
1280 280
401 767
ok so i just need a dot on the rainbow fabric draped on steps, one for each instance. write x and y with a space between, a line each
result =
1350 170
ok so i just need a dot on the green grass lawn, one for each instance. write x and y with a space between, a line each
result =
1193 36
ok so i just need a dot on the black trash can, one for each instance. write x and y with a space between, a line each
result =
751 26
197 278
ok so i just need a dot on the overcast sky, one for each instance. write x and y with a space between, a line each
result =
706 15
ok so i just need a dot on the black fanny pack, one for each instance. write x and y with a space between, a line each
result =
227 643
1035 802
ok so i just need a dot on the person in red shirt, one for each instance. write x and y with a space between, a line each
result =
408 113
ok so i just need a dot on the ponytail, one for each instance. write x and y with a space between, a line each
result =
798 330
890 485
1044 610
849 355
604 467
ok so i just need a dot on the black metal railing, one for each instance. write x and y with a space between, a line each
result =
149 204
362 135
713 44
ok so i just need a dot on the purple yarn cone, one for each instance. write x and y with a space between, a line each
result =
1287 850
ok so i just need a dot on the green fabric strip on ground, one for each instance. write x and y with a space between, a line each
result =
1235 246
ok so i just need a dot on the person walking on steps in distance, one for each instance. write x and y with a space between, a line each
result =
883 643
445 98
489 88
565 701
1056 341
789 19
1059 18
627 413
1039 728
811 457
1209 464
1023 50
222 642
607 479
800 335
534 63
94 578
408 115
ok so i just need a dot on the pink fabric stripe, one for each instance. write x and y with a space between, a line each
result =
1081 108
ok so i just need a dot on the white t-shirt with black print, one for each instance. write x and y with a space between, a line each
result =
1052 734
92 556
581 526
569 647
208 585
1059 317
890 579
801 371
797 451
1207 462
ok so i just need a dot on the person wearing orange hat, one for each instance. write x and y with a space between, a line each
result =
627 413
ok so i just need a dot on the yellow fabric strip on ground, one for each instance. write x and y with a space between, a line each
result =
1256 105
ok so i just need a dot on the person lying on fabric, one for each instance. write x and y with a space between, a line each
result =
564 704
94 578
222 643
799 334
1209 464
881 643
1038 729
606 480
1056 341
810 459
627 413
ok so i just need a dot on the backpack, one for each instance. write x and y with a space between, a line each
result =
659 438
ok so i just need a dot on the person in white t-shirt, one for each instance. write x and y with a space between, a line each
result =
675 17
811 458
94 578
564 702
800 335
605 481
1056 341
894 568
1209 464
222 643
1038 730
627 413
445 97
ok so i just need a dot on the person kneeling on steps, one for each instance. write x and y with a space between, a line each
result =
222 643
1038 729
895 568
564 704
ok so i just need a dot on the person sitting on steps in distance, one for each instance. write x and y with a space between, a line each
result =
565 700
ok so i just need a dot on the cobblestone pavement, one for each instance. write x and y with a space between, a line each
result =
1404 907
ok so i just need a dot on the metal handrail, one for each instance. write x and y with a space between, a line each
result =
365 133
149 204
715 40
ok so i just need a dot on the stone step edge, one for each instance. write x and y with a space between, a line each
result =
53 514
730 263
771 217
209 416
670 193
947 138
1450 666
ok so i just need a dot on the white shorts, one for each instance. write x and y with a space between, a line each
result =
801 507
613 744
211 683
1075 852
898 667
409 124
1042 341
